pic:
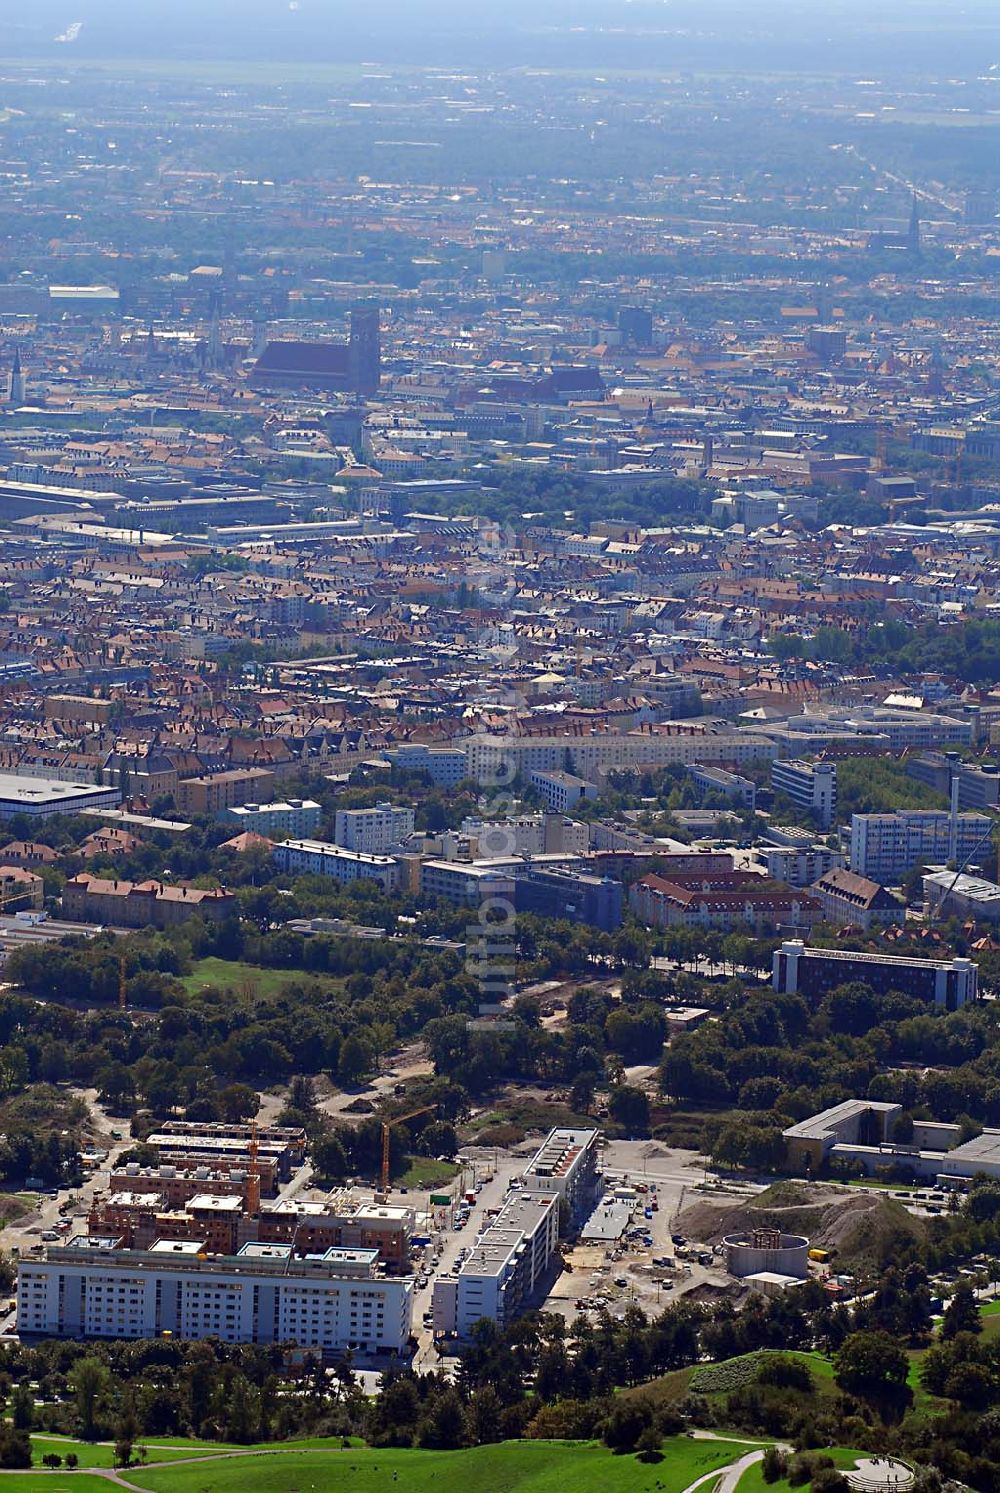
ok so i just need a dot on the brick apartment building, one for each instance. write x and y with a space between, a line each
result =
145 904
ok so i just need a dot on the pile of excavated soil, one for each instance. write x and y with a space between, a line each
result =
854 1223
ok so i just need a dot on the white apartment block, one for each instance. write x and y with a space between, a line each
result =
522 835
505 1267
320 858
93 1288
445 766
887 847
297 816
497 759
464 882
796 866
561 790
810 785
511 1259
372 831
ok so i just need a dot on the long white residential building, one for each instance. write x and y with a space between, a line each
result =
94 1288
496 759
320 858
504 1267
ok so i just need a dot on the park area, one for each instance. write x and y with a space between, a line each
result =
179 1466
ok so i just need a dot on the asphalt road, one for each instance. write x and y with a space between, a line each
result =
25 1235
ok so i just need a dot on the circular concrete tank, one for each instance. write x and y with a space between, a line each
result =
767 1250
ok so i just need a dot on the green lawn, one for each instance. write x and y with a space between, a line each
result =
424 1171
191 1446
98 1455
990 1313
512 1467
56 1482
237 978
753 1482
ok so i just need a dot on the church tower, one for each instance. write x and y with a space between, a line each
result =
15 391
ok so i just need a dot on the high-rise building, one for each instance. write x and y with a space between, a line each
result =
913 228
372 830
635 324
364 350
828 343
886 847
810 785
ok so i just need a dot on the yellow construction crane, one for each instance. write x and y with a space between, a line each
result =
387 1126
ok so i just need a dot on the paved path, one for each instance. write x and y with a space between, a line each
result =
116 1476
726 1477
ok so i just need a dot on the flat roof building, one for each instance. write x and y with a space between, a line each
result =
810 785
946 983
862 1132
294 816
40 798
509 1264
320 858
504 1269
887 847
96 1288
566 1164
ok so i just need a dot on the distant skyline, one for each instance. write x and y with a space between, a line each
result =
727 35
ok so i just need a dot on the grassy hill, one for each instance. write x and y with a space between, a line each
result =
714 1381
510 1467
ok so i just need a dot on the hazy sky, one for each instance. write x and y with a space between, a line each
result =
727 34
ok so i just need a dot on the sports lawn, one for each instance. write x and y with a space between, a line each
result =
250 980
511 1467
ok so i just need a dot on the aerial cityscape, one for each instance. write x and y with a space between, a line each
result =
500 747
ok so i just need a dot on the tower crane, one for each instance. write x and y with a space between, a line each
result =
390 1125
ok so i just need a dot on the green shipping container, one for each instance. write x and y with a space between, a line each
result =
440 1200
